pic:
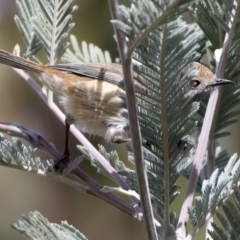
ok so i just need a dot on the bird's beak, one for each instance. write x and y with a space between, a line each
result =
220 81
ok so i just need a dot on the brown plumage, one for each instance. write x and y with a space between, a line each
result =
91 95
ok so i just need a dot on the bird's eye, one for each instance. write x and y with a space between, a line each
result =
194 83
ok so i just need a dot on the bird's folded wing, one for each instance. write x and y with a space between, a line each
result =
102 71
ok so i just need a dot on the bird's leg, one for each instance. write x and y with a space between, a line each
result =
68 121
67 130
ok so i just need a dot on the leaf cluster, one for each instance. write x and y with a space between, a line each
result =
35 226
44 24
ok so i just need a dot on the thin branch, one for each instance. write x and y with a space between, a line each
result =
140 168
223 59
135 129
163 117
208 123
220 73
78 186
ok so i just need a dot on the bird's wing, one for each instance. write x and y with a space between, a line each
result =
103 71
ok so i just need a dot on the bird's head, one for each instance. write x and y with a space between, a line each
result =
203 80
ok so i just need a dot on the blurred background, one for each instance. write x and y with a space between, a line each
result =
22 192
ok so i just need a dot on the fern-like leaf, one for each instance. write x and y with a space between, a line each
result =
27 10
160 59
214 192
229 229
85 53
35 226
52 24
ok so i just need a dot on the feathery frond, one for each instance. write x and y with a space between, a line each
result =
52 25
85 53
15 153
214 192
156 13
164 109
229 228
35 226
27 10
45 24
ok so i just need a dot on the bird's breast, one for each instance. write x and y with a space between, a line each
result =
96 106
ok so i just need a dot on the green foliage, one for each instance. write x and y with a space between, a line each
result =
44 24
27 11
159 62
221 159
16 154
214 191
229 220
35 226
156 13
85 53
53 24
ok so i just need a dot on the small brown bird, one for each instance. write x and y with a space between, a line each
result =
91 95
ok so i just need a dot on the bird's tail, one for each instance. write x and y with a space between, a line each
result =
11 60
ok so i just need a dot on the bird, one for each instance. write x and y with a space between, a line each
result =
91 93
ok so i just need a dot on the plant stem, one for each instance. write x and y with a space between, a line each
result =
126 59
52 47
163 117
